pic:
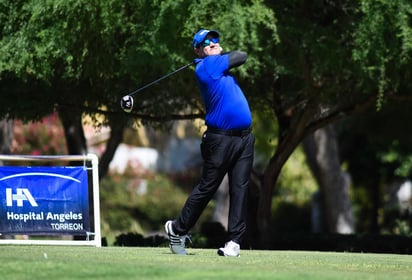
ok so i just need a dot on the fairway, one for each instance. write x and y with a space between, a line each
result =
78 262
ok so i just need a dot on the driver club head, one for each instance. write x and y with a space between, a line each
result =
127 103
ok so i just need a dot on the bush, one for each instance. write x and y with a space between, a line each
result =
139 204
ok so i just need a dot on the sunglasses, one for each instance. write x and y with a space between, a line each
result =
206 42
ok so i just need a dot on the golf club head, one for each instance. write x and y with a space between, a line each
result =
127 103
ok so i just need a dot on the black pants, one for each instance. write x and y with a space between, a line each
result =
221 154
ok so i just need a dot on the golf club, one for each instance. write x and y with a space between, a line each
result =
127 101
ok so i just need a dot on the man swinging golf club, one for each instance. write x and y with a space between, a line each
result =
227 144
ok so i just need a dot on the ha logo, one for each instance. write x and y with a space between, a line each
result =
20 196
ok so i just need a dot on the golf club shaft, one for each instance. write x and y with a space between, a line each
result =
161 78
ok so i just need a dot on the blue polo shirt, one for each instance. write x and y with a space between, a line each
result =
226 105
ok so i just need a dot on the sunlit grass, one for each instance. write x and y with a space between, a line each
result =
62 262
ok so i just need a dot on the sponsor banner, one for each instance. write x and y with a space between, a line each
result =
44 200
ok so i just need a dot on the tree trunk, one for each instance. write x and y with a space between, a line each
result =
116 137
270 176
321 150
6 136
73 131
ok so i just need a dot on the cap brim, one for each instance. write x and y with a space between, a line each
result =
214 33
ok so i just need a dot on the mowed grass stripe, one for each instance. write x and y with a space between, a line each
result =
78 262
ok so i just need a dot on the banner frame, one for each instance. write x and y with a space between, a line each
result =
93 238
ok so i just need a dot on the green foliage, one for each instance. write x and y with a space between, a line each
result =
138 202
62 39
384 27
83 55
264 130
294 191
63 53
296 182
312 54
245 25
403 228
395 157
372 144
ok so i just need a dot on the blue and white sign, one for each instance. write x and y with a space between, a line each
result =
44 200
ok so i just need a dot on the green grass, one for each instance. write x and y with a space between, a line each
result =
78 262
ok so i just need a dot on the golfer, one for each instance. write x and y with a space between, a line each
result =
226 147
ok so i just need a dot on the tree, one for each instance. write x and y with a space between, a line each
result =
329 71
6 136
